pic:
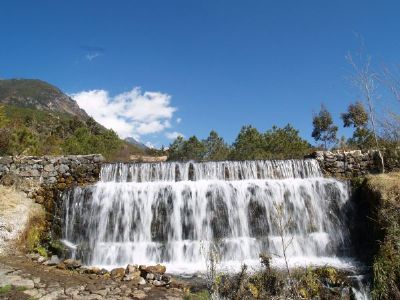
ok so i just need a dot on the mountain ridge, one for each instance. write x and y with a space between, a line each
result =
40 95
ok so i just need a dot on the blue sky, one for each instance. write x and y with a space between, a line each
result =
200 65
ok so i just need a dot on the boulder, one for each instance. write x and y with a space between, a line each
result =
117 273
159 283
157 269
53 261
72 263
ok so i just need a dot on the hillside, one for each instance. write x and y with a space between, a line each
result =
40 95
37 118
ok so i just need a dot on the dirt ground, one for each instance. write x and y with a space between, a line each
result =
22 278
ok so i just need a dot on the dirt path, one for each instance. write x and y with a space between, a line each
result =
21 278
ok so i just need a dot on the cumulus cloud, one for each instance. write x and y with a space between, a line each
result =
173 135
133 113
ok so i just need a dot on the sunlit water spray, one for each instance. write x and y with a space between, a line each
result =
171 213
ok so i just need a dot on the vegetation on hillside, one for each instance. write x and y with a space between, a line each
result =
27 131
377 231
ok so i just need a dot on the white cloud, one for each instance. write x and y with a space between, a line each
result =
134 113
91 56
178 120
173 135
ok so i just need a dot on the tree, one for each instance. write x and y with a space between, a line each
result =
366 81
175 151
285 143
324 129
215 147
357 117
249 144
3 117
23 141
193 149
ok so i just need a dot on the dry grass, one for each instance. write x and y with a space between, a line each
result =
16 214
387 185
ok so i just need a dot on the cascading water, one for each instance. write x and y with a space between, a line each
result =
171 212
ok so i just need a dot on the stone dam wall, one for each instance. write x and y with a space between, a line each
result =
29 173
348 164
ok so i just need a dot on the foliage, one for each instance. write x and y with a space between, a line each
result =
276 143
215 147
23 141
58 134
193 149
324 129
84 142
3 117
249 144
357 117
5 289
386 265
285 143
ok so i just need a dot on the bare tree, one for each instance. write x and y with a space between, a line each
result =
283 228
366 80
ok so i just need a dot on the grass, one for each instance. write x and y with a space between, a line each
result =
5 289
385 189
202 295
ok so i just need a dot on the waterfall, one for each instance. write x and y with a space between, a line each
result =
170 213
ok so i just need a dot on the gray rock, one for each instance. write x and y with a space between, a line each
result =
72 263
49 168
142 281
54 260
150 276
159 283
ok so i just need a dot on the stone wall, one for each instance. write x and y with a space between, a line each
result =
348 163
30 173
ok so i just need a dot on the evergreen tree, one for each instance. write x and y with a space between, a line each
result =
175 151
23 141
285 143
249 144
215 147
324 129
193 149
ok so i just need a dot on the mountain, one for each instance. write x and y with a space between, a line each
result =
37 118
132 141
40 95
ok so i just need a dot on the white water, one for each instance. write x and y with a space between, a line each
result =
171 213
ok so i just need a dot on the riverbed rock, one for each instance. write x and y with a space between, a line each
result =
117 273
72 263
157 269
53 261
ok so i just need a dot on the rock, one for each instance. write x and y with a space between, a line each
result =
158 283
94 270
61 266
62 168
150 276
72 263
41 259
142 281
166 278
54 260
117 273
157 269
131 269
138 294
49 168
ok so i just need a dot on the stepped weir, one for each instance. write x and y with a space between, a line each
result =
172 212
